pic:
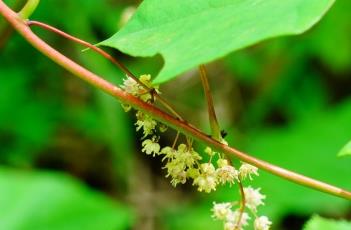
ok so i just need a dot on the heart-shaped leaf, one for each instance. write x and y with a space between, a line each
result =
190 33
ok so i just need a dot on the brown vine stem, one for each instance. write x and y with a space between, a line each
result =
242 205
215 130
179 125
110 58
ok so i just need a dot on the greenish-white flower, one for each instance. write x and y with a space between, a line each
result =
247 170
221 210
145 122
151 147
207 180
262 223
234 222
253 198
226 173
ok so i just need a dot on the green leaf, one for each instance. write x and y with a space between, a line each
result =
319 223
33 200
346 150
190 33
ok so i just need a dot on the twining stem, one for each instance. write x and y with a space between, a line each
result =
242 204
113 60
175 140
215 130
20 25
28 9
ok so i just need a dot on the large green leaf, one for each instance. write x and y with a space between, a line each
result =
189 33
319 223
346 150
31 200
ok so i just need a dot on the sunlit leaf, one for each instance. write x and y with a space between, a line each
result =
189 33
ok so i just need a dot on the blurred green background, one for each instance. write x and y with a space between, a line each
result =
70 157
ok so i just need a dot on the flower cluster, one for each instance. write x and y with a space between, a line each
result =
238 218
183 163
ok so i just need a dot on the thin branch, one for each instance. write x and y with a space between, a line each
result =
28 9
215 130
110 58
179 125
242 204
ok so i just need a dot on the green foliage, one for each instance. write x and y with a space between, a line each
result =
188 34
33 200
346 150
298 147
320 223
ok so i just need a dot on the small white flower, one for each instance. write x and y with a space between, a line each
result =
189 157
262 223
208 169
207 180
130 86
230 226
233 217
150 147
179 178
253 198
246 170
146 122
206 183
169 153
221 210
174 168
227 174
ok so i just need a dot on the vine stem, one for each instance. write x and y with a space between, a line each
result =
20 25
28 8
242 204
215 130
113 60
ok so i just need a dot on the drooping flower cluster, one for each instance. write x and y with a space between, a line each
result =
183 163
238 218
252 198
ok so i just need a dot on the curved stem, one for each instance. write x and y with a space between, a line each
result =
28 8
215 130
110 58
242 204
20 25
